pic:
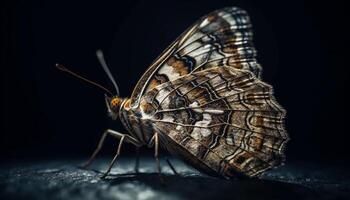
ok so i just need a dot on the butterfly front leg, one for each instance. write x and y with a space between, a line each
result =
122 137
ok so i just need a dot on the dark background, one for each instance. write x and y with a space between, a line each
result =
302 46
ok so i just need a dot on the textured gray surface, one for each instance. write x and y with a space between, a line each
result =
62 179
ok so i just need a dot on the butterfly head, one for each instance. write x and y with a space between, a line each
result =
113 106
114 102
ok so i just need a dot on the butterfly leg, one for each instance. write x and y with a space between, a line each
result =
101 142
115 156
137 161
156 155
171 167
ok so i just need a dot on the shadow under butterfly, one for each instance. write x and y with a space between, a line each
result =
212 188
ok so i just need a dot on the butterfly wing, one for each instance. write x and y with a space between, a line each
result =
223 120
221 38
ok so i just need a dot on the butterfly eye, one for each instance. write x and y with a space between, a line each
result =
115 102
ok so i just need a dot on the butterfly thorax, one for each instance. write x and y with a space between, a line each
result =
135 121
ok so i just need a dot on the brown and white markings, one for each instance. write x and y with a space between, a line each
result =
202 99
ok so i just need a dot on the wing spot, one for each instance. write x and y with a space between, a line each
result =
178 66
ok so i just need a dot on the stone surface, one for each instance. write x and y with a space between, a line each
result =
62 179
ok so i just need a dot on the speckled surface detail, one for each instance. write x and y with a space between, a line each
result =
62 179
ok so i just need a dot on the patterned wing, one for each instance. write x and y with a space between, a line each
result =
225 118
221 38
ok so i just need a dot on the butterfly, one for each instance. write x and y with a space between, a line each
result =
203 100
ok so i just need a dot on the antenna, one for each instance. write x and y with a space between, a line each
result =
64 69
100 58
